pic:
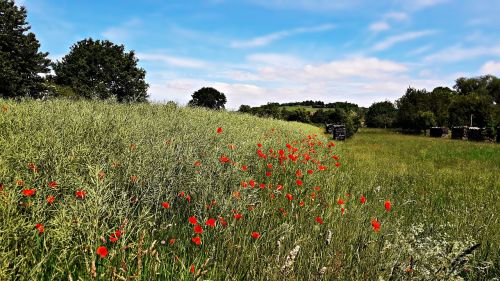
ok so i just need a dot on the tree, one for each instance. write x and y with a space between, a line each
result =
440 99
101 70
245 108
300 115
20 61
381 115
482 85
479 106
409 106
208 97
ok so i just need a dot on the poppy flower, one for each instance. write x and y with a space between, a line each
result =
340 202
192 269
53 184
319 220
259 145
255 235
193 220
301 203
80 194
165 205
198 229
238 216
336 157
342 211
113 238
50 199
224 159
40 228
102 251
171 241
244 184
298 173
29 192
197 164
210 222
252 183
337 164
222 221
362 199
317 188
299 182
289 196
219 130
182 194
244 168
321 167
376 225
387 205
279 187
196 240
269 166
188 198
262 185
310 172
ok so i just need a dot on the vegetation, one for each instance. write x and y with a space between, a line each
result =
111 191
381 115
208 97
20 60
102 70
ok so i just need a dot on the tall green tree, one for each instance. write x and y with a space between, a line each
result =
381 115
477 106
208 97
439 103
21 63
101 70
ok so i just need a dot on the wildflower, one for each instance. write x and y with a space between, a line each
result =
268 174
244 184
319 220
342 210
237 194
310 172
192 269
262 185
193 220
289 196
197 164
171 241
182 194
198 229
219 130
224 159
222 221
53 184
196 240
279 187
165 205
102 251
255 235
387 205
362 199
317 188
244 168
340 202
298 173
210 222
29 192
40 228
269 166
301 203
337 164
259 145
252 183
376 225
299 182
50 199
80 194
114 236
321 167
238 216
336 157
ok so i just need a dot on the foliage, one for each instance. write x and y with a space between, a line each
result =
487 85
96 69
21 63
477 105
381 115
208 97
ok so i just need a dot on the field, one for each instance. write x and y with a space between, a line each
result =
94 190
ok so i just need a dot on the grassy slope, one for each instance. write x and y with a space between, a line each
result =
444 185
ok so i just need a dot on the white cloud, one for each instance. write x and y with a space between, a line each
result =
420 50
491 67
275 59
123 32
269 38
173 60
396 16
379 26
458 53
421 4
393 40
308 5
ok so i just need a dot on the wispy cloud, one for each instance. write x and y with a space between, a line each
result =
173 60
491 67
308 5
393 40
269 38
123 32
379 26
458 53
420 50
421 4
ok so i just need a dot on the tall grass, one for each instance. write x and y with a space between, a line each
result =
129 159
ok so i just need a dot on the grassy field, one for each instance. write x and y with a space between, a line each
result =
84 188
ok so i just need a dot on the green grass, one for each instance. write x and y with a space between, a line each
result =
295 107
444 197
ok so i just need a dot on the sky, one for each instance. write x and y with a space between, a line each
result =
260 51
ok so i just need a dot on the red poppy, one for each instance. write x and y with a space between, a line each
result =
50 199
269 166
192 269
171 241
244 168
182 194
301 203
317 188
53 184
40 228
222 221
310 172
255 235
289 196
29 192
299 182
259 145
342 211
321 167
165 205
298 173
336 157
238 216
340 202
244 184
387 205
198 229
193 220
268 174
196 240
102 251
197 164
188 198
224 159
80 194
337 164
319 220
252 183
219 130
210 222
376 225
362 199
114 236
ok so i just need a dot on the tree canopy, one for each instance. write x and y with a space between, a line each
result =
101 70
21 63
208 97
381 115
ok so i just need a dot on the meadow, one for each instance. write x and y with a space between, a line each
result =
106 191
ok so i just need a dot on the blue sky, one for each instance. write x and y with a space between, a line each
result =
257 51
